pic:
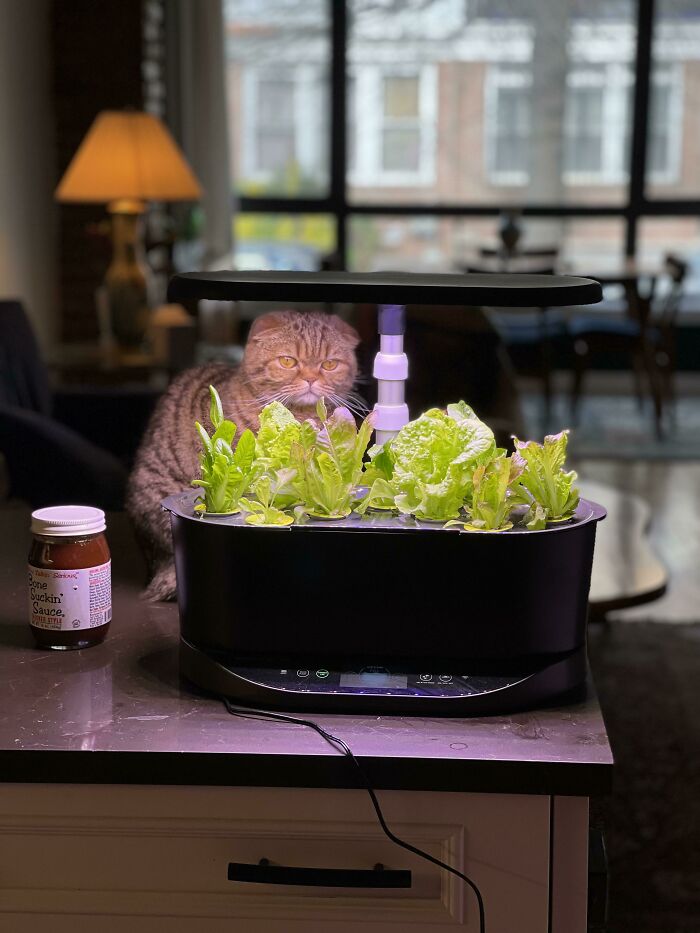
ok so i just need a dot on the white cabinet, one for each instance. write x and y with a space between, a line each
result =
137 858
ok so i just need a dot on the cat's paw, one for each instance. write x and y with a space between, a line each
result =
163 586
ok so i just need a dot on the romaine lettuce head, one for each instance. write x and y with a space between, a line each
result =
544 478
340 438
279 429
328 471
277 436
434 460
491 501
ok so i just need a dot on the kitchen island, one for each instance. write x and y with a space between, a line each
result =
126 794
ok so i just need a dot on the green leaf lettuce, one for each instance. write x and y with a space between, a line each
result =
434 459
544 482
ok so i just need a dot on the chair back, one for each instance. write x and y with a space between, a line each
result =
49 464
24 381
677 271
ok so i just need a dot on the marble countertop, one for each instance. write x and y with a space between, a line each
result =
119 713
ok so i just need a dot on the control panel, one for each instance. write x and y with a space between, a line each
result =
375 681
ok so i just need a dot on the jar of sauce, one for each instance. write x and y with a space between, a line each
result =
70 591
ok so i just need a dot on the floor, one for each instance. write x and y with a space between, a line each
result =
672 490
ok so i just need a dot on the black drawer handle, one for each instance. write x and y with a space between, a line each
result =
264 872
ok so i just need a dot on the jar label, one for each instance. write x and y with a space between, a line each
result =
68 600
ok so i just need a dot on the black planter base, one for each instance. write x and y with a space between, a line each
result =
382 692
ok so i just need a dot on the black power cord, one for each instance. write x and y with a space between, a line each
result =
249 713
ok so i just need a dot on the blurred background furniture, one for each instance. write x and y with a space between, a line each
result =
645 334
626 570
529 335
74 443
48 463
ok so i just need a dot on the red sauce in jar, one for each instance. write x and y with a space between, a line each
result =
70 598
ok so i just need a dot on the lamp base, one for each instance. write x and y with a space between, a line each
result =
126 281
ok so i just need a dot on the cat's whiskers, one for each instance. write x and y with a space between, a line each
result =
351 402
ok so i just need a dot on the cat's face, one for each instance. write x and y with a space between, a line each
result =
298 358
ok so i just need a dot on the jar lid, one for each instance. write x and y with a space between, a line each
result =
66 521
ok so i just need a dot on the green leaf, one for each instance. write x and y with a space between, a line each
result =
216 412
226 431
434 459
544 478
381 463
226 472
492 501
329 465
278 431
245 451
380 496
536 518
204 436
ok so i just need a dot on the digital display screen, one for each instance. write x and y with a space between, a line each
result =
395 681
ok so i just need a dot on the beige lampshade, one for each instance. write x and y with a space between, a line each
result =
128 155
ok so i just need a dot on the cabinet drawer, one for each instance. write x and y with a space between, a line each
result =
129 855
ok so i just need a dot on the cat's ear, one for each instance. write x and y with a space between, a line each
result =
345 331
264 325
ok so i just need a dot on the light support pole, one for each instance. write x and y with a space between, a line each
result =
390 371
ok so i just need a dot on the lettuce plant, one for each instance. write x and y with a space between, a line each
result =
278 434
329 464
262 510
433 460
225 473
544 484
492 500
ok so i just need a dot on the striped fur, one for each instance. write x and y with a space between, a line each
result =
167 459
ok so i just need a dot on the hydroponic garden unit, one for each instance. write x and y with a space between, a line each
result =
384 611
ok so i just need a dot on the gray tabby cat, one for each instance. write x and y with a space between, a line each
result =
295 358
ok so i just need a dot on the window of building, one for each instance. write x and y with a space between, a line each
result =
283 128
507 117
665 126
272 121
595 131
391 131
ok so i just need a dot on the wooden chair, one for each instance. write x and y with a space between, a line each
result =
663 331
647 338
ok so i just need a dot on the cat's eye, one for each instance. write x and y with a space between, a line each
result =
329 365
287 361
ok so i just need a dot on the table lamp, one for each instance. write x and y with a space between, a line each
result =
126 159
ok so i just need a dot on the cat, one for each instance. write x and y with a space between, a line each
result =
292 357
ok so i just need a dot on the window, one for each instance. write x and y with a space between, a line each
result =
507 115
401 130
583 130
455 108
271 120
391 131
665 126
277 66
595 129
672 164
